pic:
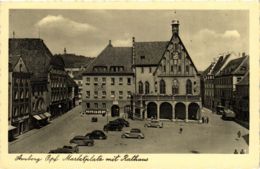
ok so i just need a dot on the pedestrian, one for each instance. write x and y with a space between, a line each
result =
180 131
235 152
202 119
242 151
207 119
239 134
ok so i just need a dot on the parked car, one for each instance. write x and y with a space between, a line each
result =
228 115
96 134
133 133
82 141
154 123
113 127
72 148
122 121
220 110
94 119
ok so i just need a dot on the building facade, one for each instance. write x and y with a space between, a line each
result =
167 81
57 78
161 80
241 106
208 79
48 80
109 83
19 97
226 80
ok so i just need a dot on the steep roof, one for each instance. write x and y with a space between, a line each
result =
244 80
57 62
207 70
112 56
34 53
75 61
149 53
243 67
232 66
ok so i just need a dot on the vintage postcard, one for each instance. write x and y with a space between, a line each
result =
112 85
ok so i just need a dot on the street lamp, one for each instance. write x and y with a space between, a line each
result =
59 106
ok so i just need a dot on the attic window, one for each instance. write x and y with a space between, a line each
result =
142 57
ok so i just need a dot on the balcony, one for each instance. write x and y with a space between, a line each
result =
167 97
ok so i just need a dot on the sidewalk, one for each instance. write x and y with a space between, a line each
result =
51 123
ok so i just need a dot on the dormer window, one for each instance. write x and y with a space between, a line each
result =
142 57
117 68
100 68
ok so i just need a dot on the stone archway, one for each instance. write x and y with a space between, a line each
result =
115 110
193 111
165 111
180 111
151 110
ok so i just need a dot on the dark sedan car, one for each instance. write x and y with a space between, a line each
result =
113 127
122 121
96 134
82 141
72 148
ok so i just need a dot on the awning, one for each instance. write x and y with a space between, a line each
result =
47 114
37 117
10 127
42 116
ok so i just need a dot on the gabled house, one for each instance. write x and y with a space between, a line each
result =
19 97
167 81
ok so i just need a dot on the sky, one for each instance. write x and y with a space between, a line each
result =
205 33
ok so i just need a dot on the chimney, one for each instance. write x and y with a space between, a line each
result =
175 27
243 54
110 43
65 51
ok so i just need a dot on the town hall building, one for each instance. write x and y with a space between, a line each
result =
165 83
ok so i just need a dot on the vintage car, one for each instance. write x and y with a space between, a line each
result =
71 148
121 121
133 133
228 115
96 134
220 110
154 123
113 126
94 119
82 141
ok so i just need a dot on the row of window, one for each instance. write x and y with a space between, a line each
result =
21 95
112 81
20 110
224 81
21 82
224 93
176 68
104 94
58 96
39 105
111 69
103 105
175 87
